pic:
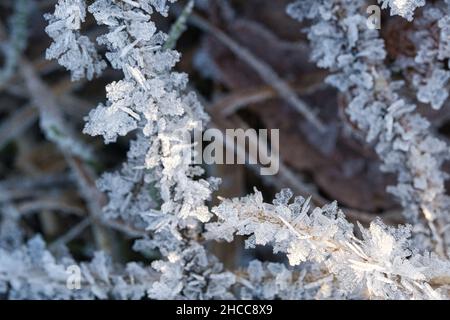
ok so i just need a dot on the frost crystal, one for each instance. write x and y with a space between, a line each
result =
73 51
404 8
427 71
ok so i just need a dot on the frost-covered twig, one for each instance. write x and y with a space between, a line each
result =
404 8
178 27
383 264
155 189
13 47
427 71
32 272
69 45
355 55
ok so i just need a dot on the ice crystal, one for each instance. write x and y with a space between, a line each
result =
73 50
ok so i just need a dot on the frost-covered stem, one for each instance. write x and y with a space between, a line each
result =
177 29
381 265
427 72
17 40
403 8
31 272
69 45
153 100
356 57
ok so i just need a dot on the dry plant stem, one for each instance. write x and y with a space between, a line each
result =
49 204
95 200
244 98
263 69
48 110
28 187
16 124
72 106
70 235
48 220
179 26
50 223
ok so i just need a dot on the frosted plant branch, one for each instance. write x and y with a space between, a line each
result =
74 51
155 189
32 272
355 55
13 47
383 264
404 8
427 71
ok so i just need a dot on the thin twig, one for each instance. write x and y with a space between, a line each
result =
178 27
49 204
243 98
53 124
263 69
16 124
71 234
